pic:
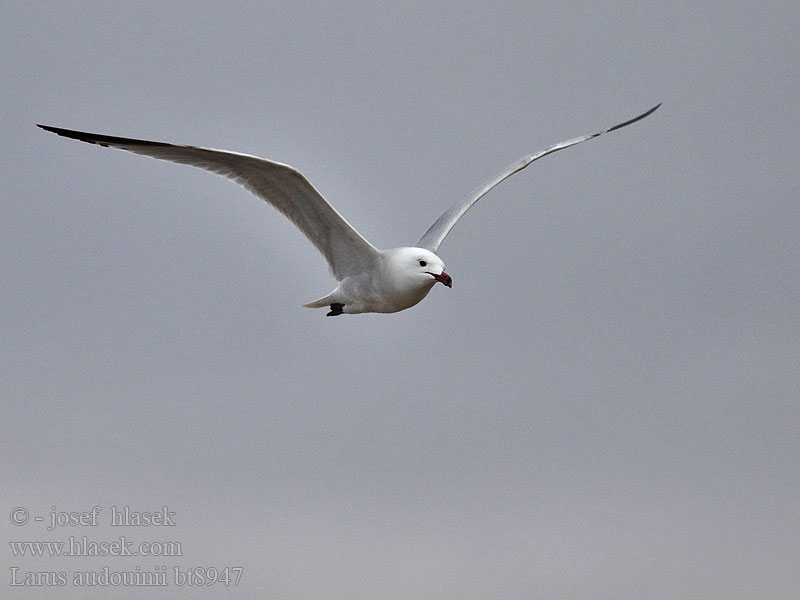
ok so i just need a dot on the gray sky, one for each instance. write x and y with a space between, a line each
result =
605 405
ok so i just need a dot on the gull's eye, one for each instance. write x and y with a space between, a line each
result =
422 263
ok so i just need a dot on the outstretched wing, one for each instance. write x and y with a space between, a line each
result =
282 186
432 239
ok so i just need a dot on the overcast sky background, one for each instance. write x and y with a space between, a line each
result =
605 405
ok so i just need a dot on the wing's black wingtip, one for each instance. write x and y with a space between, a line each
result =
633 120
652 110
76 135
99 139
59 130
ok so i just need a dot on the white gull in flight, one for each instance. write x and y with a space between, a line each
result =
370 280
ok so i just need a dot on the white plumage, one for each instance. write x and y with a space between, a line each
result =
370 280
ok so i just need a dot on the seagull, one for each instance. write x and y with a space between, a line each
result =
369 280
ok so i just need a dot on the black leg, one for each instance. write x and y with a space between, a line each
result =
336 309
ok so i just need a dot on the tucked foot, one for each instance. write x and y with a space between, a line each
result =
336 309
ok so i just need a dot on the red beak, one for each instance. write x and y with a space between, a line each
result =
444 278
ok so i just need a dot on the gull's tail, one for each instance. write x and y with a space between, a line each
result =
322 302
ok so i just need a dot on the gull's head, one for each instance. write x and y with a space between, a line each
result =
419 267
